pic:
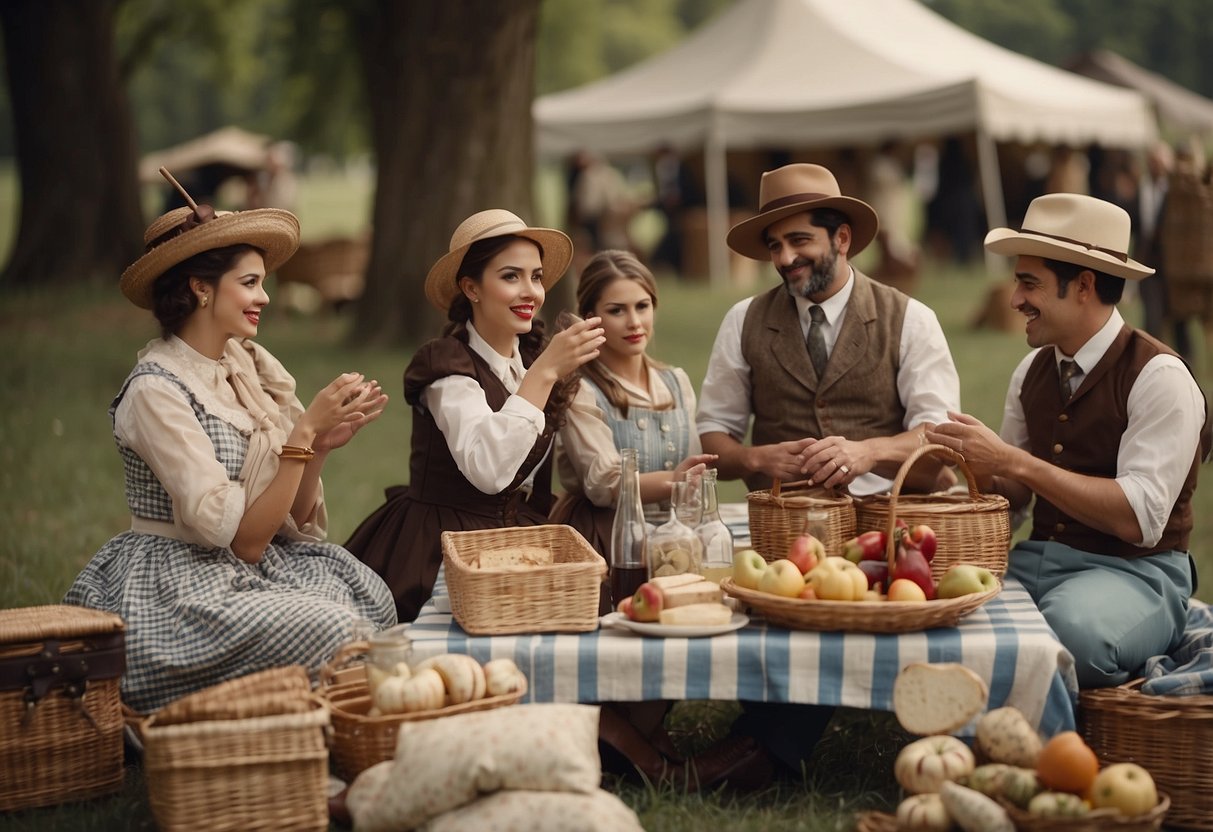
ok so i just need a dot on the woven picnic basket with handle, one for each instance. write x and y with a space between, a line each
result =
973 528
561 597
361 740
777 517
1169 736
246 754
60 709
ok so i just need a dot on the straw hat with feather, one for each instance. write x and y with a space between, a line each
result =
442 282
184 232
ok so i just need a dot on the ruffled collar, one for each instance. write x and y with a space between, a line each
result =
208 378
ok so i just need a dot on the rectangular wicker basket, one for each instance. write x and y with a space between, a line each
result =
560 598
777 517
263 772
1169 736
60 710
974 528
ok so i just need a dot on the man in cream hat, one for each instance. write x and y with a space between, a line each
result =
838 372
839 376
1106 426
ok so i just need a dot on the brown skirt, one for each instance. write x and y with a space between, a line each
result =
402 542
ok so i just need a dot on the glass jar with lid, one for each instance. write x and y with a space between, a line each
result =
388 649
674 548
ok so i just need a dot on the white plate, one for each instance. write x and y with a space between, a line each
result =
648 628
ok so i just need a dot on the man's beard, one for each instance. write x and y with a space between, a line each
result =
821 273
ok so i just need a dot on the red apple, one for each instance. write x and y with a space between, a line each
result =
806 552
867 546
923 539
808 593
625 607
647 603
877 572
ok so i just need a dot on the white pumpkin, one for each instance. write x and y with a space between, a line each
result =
503 676
923 812
926 763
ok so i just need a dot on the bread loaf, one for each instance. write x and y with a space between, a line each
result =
515 556
937 698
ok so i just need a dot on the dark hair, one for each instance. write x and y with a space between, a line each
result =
828 218
605 268
530 344
172 299
1109 289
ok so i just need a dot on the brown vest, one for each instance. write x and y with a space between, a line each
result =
433 475
857 397
1083 435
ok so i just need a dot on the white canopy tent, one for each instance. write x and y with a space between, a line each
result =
767 73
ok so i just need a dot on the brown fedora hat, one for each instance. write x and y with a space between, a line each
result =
1073 228
801 187
441 284
174 237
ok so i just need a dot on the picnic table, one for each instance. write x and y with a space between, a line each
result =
1006 641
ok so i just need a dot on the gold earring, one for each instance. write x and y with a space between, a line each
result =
205 300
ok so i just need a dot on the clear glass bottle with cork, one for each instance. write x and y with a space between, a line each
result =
629 534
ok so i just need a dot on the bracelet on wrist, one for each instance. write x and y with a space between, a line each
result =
296 452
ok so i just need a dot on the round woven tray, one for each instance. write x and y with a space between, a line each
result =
1169 736
360 741
777 517
972 529
1094 821
858 616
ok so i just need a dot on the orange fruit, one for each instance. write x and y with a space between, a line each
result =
1067 764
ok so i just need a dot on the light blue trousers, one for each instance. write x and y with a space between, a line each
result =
1111 613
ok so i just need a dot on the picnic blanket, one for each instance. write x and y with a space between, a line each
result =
1188 669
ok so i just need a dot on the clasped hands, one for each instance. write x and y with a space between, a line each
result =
983 450
342 408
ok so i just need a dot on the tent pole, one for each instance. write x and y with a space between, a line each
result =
991 189
716 179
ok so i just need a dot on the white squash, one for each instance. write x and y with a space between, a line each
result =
923 812
503 676
1005 736
973 811
926 763
462 676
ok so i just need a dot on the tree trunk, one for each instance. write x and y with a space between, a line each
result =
80 214
450 84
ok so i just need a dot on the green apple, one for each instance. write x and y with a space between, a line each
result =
1125 787
748 567
965 579
782 578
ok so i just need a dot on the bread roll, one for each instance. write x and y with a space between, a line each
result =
937 698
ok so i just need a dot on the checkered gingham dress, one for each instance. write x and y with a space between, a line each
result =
197 615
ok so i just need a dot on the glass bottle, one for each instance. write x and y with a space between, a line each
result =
712 532
388 649
674 547
629 534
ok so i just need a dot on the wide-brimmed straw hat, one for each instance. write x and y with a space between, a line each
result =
184 232
441 284
801 187
1073 228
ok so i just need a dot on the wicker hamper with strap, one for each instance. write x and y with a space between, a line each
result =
1169 736
60 710
777 517
973 528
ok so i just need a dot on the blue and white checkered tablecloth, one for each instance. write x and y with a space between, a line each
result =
1006 641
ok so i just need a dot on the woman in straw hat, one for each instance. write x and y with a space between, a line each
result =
627 400
225 569
488 397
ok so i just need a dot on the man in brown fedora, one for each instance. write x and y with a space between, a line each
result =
836 375
1106 426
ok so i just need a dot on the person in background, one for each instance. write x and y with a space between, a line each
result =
488 397
225 569
1106 427
626 400
835 376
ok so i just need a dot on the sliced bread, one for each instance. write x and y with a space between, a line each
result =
697 615
937 698
515 556
699 592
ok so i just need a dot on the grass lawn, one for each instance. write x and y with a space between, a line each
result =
61 497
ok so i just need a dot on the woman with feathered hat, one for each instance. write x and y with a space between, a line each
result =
225 569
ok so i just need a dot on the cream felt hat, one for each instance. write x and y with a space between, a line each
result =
184 232
1073 228
801 187
442 283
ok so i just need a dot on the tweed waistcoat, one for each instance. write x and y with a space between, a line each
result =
434 477
857 395
1083 435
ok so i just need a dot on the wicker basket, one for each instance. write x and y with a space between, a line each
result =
560 598
266 772
1096 820
361 741
969 529
858 616
875 822
777 517
1169 736
60 709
